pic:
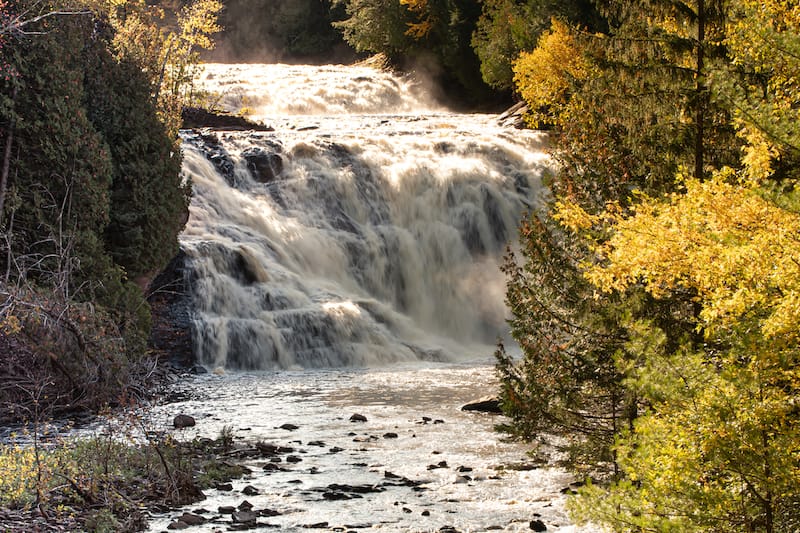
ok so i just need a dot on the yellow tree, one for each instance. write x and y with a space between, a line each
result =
719 448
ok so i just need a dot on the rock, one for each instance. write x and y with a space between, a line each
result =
192 519
463 469
264 165
197 117
390 475
289 427
198 370
226 509
245 517
488 404
514 116
440 464
178 525
293 459
438 421
390 435
266 450
358 418
250 490
425 513
269 512
538 525
183 421
225 487
318 525
245 506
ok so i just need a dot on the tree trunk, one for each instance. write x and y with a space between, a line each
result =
701 91
7 157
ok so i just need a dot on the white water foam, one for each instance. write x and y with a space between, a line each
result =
366 229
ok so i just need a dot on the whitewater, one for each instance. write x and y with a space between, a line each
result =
347 261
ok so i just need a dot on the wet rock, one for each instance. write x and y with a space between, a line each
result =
178 525
358 418
425 513
224 487
318 525
463 469
514 116
335 449
289 427
448 529
317 443
487 404
440 464
250 490
198 117
269 512
264 165
245 517
438 421
390 475
226 509
245 506
407 510
390 435
183 421
293 459
192 519
271 450
538 525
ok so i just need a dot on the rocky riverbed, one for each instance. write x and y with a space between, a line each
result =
361 450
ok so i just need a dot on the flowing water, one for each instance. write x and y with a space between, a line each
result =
348 262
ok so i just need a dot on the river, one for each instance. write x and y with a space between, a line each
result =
347 262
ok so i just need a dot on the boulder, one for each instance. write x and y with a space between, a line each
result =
183 421
538 525
192 519
244 517
264 165
358 418
488 404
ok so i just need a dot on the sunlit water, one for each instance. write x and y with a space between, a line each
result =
348 262
394 400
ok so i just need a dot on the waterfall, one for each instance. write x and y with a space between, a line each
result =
367 228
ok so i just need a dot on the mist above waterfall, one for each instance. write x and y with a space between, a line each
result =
366 229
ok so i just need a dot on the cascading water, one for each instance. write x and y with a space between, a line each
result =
366 228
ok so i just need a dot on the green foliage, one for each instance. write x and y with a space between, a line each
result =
93 200
433 34
699 274
508 27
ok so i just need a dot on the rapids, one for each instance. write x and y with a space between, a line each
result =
366 229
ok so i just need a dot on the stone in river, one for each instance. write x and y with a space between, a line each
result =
245 517
192 519
538 525
250 490
358 418
488 404
183 421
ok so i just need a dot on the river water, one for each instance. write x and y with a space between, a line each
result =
347 262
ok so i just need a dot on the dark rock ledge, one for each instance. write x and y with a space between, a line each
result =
197 117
